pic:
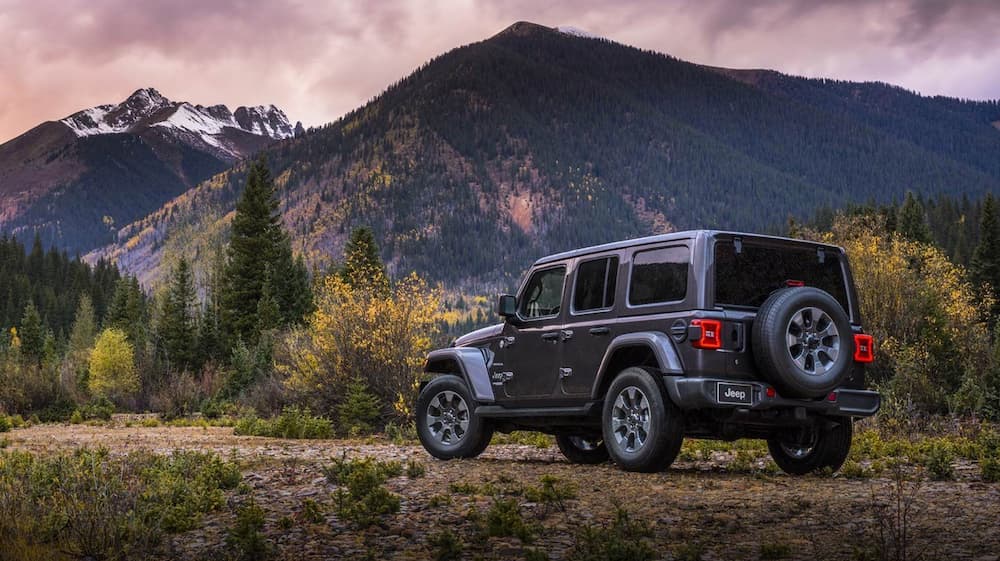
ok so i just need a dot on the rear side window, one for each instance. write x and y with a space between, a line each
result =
659 275
749 277
595 285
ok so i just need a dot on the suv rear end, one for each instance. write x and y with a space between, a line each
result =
778 350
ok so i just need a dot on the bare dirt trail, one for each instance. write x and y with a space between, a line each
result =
732 515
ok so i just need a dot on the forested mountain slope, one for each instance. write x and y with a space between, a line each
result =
535 141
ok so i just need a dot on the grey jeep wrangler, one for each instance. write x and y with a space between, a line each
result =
621 350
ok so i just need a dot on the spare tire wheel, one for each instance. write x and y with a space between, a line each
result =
802 342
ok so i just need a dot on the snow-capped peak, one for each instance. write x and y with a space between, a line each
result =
576 32
147 108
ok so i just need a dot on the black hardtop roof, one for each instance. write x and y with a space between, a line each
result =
673 236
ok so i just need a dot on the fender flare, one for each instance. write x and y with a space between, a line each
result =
659 343
467 362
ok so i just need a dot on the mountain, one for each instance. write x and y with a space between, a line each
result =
75 179
538 140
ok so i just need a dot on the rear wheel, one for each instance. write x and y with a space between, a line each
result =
582 450
812 448
643 429
447 424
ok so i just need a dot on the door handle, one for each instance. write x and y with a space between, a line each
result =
550 336
565 334
600 330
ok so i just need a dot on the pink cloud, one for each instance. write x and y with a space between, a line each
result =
318 60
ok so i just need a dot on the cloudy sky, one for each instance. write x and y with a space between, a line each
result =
318 59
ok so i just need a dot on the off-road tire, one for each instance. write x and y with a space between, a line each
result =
773 353
570 447
477 434
830 451
664 432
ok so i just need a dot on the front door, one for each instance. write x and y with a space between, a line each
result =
529 368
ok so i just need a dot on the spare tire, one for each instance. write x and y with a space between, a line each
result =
802 342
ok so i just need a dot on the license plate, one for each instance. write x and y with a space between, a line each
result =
739 394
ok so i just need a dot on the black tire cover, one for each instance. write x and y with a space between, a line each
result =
773 349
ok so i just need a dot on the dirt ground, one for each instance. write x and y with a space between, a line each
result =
729 515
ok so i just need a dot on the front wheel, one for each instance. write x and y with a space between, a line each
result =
812 448
582 450
447 424
643 429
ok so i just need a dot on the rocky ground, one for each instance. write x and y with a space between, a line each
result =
697 505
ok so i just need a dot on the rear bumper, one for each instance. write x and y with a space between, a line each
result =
702 393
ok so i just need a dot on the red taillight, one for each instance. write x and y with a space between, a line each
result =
711 334
832 396
864 348
791 282
770 392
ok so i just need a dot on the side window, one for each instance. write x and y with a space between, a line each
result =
659 275
542 296
595 284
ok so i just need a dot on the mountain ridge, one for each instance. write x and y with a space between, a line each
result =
535 141
75 179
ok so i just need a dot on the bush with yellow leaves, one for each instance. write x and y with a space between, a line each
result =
112 366
928 320
374 331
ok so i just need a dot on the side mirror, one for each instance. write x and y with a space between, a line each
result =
507 306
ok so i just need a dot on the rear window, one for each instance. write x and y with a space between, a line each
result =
748 278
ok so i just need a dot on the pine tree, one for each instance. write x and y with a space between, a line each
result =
985 263
128 312
256 236
81 340
268 314
259 244
913 220
178 324
32 334
363 266
209 336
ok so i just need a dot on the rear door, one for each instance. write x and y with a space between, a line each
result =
589 329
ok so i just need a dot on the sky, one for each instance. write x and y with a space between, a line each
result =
317 59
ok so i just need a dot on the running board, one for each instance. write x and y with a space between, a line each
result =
500 412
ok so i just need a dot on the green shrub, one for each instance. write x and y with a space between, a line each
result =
187 484
90 504
447 546
774 551
362 498
5 423
415 469
100 408
504 519
401 434
553 493
312 512
292 423
525 438
937 458
689 552
338 472
535 555
464 488
245 536
360 410
438 501
624 539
